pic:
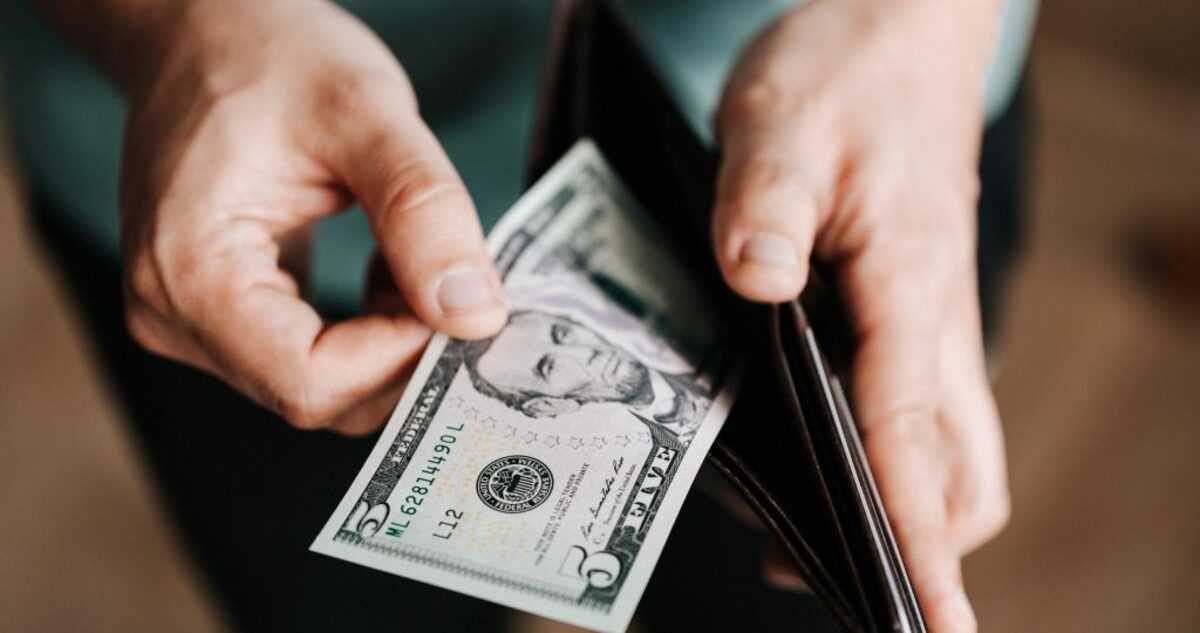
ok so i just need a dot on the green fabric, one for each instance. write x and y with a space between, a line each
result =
475 69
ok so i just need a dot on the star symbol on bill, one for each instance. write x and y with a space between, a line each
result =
489 422
622 440
530 437
550 441
471 412
598 441
510 430
643 437
575 442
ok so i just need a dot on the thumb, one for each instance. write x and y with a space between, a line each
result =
766 216
424 221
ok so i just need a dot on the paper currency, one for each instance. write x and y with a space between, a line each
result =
543 468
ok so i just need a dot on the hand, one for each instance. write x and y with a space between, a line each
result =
850 131
260 119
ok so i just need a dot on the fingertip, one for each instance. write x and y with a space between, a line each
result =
470 303
937 577
766 267
475 325
763 284
952 612
786 580
781 573
372 414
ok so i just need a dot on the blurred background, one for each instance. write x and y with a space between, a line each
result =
1098 383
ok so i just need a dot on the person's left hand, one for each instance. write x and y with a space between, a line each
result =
850 130
250 123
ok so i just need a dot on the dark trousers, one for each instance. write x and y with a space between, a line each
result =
248 493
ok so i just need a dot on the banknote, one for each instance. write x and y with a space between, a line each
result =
543 468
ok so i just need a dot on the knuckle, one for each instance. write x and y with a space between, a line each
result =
758 173
966 189
163 271
142 281
907 282
345 97
303 412
310 404
770 96
980 516
142 330
300 418
417 185
143 291
910 423
928 203
992 517
951 209
942 262
918 266
758 98
761 183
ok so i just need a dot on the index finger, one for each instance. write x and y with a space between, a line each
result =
898 310
420 212
276 347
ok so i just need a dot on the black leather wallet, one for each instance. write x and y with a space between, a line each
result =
790 445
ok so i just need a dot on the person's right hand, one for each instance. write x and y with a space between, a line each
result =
259 119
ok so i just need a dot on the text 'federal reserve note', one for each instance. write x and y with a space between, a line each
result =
543 468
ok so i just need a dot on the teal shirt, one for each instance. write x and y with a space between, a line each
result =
476 80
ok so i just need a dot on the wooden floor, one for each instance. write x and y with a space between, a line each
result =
1100 381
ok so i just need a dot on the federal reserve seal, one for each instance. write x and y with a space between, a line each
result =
514 484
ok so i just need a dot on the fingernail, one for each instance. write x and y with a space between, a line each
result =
769 249
465 290
960 606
